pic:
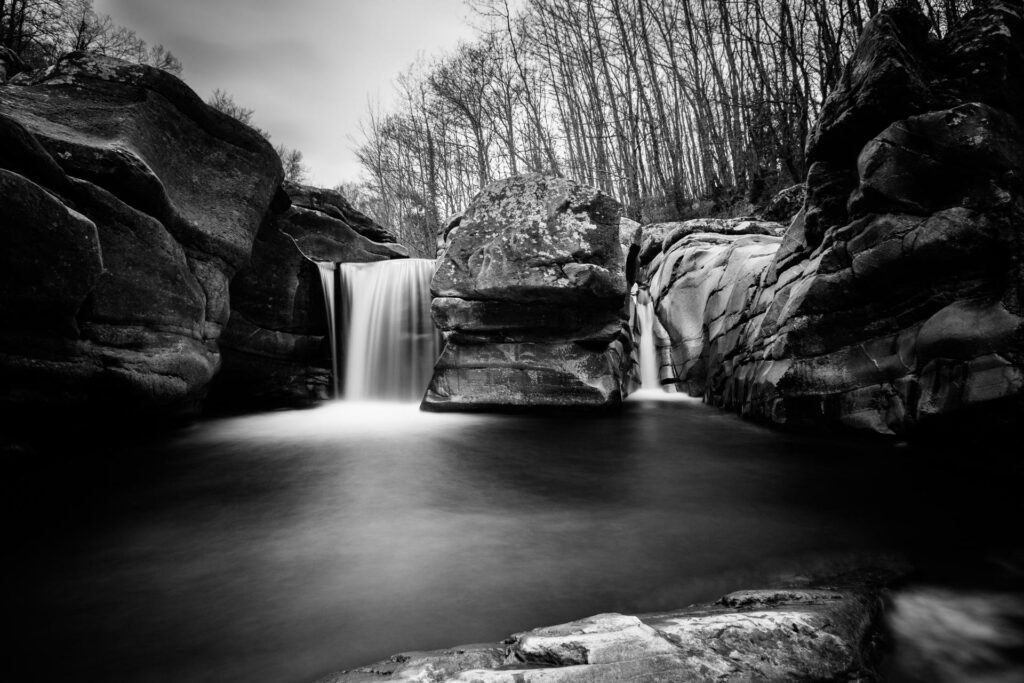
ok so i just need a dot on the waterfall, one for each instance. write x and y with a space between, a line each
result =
327 282
390 342
644 308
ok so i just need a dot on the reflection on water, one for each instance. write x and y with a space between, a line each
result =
280 546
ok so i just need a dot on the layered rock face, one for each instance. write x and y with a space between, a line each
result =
127 204
275 346
530 293
793 634
893 301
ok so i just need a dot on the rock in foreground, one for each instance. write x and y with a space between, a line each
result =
803 634
529 293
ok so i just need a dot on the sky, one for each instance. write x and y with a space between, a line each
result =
307 67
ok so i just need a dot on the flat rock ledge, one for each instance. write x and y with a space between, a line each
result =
789 634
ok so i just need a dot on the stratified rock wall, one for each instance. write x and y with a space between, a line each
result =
127 205
893 301
275 346
529 293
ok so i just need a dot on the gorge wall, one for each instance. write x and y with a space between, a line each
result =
148 243
128 204
275 348
892 303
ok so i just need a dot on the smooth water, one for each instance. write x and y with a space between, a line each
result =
281 546
389 341
648 348
327 277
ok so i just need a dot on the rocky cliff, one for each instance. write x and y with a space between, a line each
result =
127 205
529 293
275 345
893 301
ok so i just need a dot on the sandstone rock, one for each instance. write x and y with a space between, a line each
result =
151 201
810 634
525 249
333 204
785 205
275 346
892 303
660 237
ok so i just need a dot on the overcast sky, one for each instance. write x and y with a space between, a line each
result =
306 67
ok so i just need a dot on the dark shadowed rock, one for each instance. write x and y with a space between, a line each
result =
887 79
11 64
785 205
152 200
525 251
893 302
275 346
333 204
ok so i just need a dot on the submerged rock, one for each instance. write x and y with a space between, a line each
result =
529 293
892 303
809 634
128 205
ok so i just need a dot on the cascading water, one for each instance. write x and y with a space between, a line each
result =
644 308
389 341
327 271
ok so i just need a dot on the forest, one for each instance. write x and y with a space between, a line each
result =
678 108
40 32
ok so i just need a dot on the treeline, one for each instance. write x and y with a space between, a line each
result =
675 107
42 31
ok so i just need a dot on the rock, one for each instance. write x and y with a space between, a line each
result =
11 64
785 205
907 167
333 204
275 347
435 665
527 249
822 635
152 200
887 79
660 237
446 232
892 304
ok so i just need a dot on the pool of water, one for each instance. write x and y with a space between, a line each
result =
282 546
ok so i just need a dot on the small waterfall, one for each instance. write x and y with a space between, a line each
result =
644 308
327 271
390 342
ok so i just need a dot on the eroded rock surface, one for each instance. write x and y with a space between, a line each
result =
128 205
529 293
275 347
893 301
807 634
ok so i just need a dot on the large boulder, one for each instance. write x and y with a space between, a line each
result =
128 205
791 634
529 293
892 303
275 347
